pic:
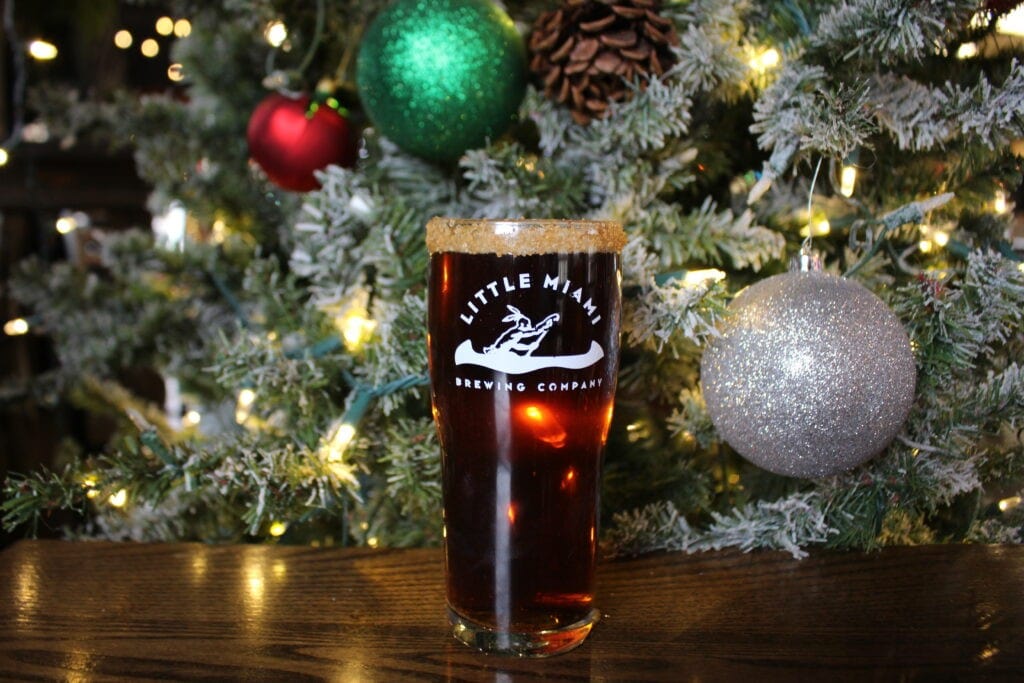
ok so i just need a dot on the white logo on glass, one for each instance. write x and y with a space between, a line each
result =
512 352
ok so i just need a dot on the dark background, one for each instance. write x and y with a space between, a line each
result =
43 179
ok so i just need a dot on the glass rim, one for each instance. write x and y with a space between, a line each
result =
522 236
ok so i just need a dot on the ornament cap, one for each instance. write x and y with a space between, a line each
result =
276 80
807 261
326 86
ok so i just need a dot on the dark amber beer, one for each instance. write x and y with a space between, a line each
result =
523 326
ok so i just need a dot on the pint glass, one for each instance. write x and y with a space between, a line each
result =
523 336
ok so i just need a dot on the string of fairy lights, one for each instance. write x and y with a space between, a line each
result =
355 326
43 49
149 46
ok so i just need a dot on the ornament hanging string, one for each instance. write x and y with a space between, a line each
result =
318 34
805 248
307 59
351 47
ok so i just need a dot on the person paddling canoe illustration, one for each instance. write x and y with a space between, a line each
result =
523 337
512 352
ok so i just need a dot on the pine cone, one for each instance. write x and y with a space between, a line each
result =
584 53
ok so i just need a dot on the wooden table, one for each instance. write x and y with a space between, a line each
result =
103 611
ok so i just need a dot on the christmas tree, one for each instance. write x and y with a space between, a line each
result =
724 135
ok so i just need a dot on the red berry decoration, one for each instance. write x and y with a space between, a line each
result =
289 140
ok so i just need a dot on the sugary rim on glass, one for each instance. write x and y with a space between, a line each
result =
523 236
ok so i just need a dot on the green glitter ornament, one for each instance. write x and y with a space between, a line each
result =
438 77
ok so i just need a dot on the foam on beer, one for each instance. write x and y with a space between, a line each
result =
521 237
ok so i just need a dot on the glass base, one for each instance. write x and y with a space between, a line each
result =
521 644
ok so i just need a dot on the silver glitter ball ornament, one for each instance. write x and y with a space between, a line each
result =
812 375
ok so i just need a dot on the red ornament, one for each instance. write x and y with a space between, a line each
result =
289 144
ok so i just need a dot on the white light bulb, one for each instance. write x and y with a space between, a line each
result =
243 407
356 328
42 50
275 33
1010 503
1012 23
16 327
339 441
999 203
164 26
817 228
696 278
123 39
847 180
766 59
66 224
967 50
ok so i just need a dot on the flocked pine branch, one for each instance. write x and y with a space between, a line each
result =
400 347
890 31
129 313
410 454
709 237
508 180
673 313
713 53
922 117
690 419
788 524
224 489
805 107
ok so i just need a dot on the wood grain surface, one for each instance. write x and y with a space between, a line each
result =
104 611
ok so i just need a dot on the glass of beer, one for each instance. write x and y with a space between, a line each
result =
523 336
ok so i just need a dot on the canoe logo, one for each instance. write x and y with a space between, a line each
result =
513 350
